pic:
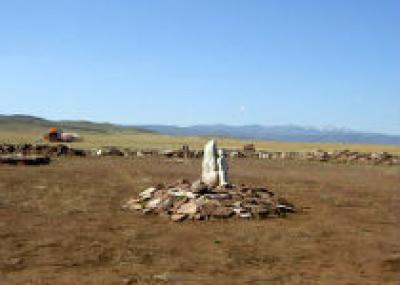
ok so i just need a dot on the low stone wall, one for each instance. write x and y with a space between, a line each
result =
24 160
41 149
344 156
336 156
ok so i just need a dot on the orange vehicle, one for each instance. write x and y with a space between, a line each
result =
53 135
57 135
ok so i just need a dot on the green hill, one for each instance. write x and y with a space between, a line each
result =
24 123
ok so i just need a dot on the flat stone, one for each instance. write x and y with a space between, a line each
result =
251 201
147 211
148 193
246 215
237 204
283 202
178 217
260 212
199 187
14 261
182 182
135 206
179 201
132 204
161 194
198 217
218 196
210 207
222 213
286 208
187 194
160 186
200 201
189 208
166 204
154 203
237 211
164 277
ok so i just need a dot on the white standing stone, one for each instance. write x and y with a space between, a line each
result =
223 168
210 171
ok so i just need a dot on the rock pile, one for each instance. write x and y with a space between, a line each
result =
196 201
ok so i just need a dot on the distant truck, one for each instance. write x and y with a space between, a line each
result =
57 135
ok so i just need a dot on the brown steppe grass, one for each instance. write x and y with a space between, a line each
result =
149 140
62 224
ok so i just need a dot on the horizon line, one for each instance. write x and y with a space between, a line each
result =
321 128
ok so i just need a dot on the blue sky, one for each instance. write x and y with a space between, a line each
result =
311 63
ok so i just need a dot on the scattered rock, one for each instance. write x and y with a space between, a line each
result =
12 263
164 277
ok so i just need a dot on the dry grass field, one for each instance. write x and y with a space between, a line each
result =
62 224
149 140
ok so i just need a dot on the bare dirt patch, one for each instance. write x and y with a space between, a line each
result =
63 224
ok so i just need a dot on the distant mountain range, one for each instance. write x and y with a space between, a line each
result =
278 133
252 132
